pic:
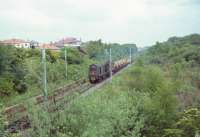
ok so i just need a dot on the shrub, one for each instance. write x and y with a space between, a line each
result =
20 87
12 70
52 56
2 123
148 79
6 86
186 126
160 105
73 56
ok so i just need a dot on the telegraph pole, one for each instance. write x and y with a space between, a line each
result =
130 55
44 74
65 62
110 65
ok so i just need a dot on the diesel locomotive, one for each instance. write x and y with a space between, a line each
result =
99 72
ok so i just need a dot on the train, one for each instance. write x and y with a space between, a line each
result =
99 72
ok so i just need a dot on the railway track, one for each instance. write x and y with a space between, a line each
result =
17 115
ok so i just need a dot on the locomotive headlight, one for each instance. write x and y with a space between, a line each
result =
92 78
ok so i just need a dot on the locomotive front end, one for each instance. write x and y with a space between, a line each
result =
93 73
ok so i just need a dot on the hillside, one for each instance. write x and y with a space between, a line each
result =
21 70
176 50
158 96
179 57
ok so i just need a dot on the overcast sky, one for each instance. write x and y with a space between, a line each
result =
126 21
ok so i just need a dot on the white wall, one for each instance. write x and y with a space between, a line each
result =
23 45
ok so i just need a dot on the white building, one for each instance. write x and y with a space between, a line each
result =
68 42
18 43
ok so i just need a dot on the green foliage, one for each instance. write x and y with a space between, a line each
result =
52 56
11 70
22 70
55 71
179 58
189 122
122 51
94 48
160 112
100 51
176 50
118 109
147 80
2 123
34 70
187 125
107 112
6 86
160 105
73 56
140 102
173 133
139 62
115 115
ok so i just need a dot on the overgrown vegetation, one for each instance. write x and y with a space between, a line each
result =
119 109
3 131
157 97
21 71
179 59
100 51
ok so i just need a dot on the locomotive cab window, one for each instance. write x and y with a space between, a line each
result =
93 68
100 70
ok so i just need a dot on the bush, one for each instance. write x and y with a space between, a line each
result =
52 56
106 113
6 86
12 70
160 105
73 56
55 72
20 87
148 79
187 125
2 123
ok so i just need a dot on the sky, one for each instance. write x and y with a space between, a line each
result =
123 21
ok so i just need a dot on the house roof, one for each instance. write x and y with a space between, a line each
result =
68 40
14 41
1 43
49 46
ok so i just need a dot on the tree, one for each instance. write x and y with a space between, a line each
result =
12 70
